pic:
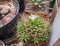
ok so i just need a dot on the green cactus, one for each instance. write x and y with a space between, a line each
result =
33 30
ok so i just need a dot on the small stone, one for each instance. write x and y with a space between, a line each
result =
5 9
35 3
20 44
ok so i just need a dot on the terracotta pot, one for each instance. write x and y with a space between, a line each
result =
29 44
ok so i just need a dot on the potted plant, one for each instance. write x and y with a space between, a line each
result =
41 6
33 30
9 10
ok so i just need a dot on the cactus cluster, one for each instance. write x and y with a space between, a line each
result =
38 5
34 30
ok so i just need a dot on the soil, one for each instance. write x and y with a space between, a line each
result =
10 15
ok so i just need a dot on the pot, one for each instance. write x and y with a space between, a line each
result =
30 44
21 5
8 29
41 44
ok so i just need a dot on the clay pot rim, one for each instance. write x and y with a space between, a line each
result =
29 44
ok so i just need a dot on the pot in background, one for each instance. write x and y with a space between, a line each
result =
8 30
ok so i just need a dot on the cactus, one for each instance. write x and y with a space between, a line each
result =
38 5
34 30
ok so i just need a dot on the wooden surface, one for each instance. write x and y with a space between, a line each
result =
57 43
